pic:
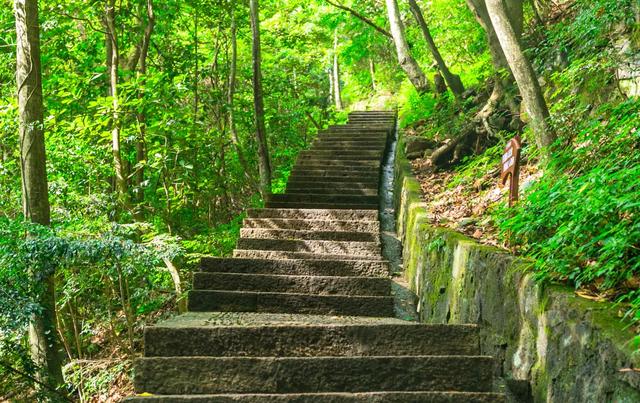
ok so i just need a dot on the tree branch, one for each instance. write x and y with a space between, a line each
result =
361 18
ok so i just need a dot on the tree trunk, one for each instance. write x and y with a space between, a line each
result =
258 102
113 59
372 73
35 199
407 62
337 93
231 89
141 116
453 81
523 72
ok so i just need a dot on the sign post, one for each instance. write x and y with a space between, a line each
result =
511 168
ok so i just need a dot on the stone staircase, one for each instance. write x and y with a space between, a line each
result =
304 311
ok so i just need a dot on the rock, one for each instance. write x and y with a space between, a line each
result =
466 221
415 146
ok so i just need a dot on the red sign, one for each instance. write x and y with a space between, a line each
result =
511 168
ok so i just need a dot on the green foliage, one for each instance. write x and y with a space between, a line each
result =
581 219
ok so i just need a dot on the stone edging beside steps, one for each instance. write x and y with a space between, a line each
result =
549 345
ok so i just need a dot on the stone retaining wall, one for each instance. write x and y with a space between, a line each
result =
548 343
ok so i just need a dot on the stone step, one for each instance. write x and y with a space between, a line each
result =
313 225
311 205
291 234
342 155
335 148
338 180
369 397
320 166
325 267
316 285
370 127
330 162
196 336
329 247
353 141
314 214
324 198
270 254
334 190
338 187
334 172
248 301
201 375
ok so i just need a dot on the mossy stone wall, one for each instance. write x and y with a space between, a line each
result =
568 349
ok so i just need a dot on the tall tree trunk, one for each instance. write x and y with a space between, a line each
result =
372 73
337 93
453 81
523 72
35 199
196 95
258 102
141 116
113 60
231 89
407 62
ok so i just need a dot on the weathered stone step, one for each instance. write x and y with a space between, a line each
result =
291 234
312 205
368 127
339 180
247 301
316 171
342 155
324 198
316 285
330 162
334 148
337 186
198 375
352 137
369 397
353 141
326 267
271 254
329 247
334 190
313 225
314 214
359 176
193 336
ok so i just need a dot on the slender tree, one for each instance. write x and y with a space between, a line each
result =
453 81
113 61
406 60
141 115
337 92
231 90
258 102
523 72
35 200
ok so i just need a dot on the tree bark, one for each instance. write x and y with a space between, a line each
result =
337 93
258 102
407 62
372 73
453 81
43 342
141 116
231 89
113 60
523 72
